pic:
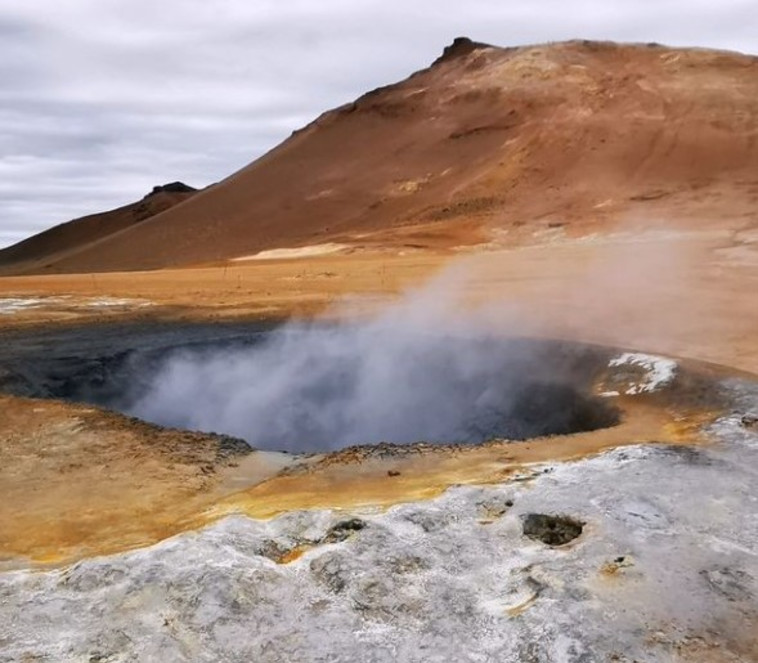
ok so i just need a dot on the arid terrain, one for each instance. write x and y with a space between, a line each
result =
487 146
595 193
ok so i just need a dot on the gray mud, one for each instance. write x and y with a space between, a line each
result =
462 390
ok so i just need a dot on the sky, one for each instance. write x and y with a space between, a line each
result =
103 99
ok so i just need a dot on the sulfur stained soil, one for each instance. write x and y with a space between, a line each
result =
92 482
78 482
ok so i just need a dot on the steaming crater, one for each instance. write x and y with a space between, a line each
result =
320 388
306 390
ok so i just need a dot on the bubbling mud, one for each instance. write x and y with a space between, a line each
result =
318 388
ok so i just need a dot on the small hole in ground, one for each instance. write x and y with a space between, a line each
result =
551 530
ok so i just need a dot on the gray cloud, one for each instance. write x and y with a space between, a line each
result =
102 99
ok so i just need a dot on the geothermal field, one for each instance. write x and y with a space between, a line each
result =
463 370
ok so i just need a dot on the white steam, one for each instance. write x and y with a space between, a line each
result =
419 371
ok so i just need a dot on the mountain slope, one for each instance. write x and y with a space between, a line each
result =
41 251
486 143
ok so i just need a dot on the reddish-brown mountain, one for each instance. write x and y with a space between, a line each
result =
487 144
42 251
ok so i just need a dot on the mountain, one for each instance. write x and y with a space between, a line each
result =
487 144
42 251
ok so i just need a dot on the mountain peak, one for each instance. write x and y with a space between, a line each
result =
171 187
460 47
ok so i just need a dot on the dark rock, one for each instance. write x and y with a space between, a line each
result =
171 187
229 446
274 550
749 420
551 530
460 47
343 530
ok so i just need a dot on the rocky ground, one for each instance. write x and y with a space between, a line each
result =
662 568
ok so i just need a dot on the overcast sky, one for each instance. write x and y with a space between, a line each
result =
102 99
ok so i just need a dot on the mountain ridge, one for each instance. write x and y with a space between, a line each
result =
486 142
